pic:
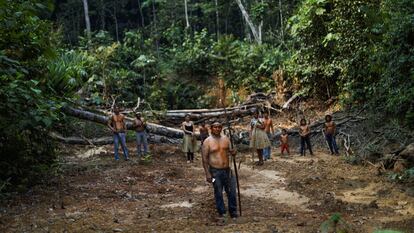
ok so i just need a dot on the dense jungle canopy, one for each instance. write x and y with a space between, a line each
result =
190 54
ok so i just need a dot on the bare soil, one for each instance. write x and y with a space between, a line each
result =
287 194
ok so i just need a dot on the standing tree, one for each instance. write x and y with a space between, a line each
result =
87 20
187 22
256 30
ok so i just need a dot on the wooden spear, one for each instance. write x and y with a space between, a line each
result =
234 159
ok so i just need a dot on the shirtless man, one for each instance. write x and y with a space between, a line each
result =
117 125
203 132
330 130
268 124
215 152
141 135
304 132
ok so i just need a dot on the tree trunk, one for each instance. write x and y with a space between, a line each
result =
187 22
249 22
107 140
217 20
154 14
87 20
141 13
116 24
102 15
260 28
103 119
281 19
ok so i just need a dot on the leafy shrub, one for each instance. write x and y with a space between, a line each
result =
29 106
335 224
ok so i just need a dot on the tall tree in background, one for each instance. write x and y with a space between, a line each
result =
87 20
141 13
256 30
217 20
281 19
187 22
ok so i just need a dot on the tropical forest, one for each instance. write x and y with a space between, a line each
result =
207 116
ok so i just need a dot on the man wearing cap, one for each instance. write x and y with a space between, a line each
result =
117 125
216 162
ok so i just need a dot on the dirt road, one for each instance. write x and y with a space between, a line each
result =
295 194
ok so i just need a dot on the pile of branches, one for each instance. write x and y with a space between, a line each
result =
257 101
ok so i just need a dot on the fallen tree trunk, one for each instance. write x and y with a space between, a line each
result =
103 119
253 102
108 140
175 117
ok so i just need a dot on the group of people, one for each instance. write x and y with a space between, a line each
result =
261 131
118 127
216 149
261 135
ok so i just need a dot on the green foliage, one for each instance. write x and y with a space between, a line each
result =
357 50
335 224
394 91
67 72
29 106
192 56
246 65
333 40
406 176
146 159
259 10
172 79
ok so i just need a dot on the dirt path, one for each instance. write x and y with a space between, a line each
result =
293 194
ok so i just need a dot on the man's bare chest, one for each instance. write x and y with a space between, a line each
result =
218 146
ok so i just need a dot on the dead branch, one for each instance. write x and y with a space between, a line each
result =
347 143
113 102
286 105
138 103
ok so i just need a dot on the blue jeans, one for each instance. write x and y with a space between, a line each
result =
224 179
330 138
117 137
267 151
142 141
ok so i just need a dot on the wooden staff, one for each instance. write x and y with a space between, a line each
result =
234 160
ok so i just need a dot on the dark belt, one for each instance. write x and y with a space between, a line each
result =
220 169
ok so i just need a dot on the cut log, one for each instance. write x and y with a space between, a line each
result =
175 117
103 119
108 140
